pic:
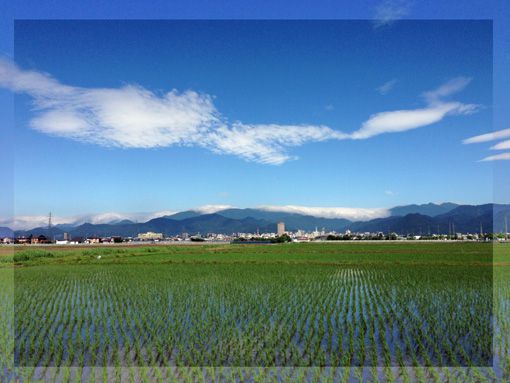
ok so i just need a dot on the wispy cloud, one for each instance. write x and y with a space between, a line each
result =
389 11
266 143
497 157
134 117
503 145
210 209
402 120
390 193
493 136
386 87
450 87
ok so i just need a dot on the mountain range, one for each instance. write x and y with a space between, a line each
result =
409 219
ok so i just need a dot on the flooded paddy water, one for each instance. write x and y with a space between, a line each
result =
335 320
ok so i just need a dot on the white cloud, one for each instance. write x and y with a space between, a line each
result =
27 222
389 11
503 145
488 137
390 193
24 222
402 120
266 143
493 136
435 111
497 157
134 117
452 86
210 209
386 87
354 214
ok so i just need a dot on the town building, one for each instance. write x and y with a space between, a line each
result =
150 236
39 240
280 228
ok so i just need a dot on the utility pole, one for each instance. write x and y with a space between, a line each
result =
506 228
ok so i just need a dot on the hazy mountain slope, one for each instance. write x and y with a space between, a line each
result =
430 209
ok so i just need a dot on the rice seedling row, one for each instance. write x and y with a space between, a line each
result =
320 318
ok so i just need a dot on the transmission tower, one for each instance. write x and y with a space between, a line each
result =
49 227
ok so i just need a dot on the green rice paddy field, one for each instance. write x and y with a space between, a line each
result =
389 312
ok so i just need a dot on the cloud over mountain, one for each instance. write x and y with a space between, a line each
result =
353 214
28 222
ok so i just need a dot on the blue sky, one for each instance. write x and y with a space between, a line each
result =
327 77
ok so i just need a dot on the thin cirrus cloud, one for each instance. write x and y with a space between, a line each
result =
496 157
266 143
402 120
503 145
134 117
385 88
390 11
493 136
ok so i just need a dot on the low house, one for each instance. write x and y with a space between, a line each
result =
150 236
40 239
23 240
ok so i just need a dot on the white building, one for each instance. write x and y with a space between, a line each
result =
280 228
150 236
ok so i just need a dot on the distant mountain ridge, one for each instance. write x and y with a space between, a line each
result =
292 221
430 209
442 218
5 232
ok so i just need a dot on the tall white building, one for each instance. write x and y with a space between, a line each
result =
280 228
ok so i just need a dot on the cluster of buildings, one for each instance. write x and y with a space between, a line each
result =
297 236
67 240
